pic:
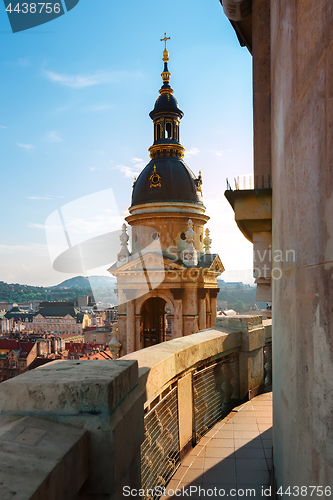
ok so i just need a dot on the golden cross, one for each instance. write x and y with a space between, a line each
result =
165 40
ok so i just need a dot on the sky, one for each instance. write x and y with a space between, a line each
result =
75 129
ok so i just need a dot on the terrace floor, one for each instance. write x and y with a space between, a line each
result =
234 459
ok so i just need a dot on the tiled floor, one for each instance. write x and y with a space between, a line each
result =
234 457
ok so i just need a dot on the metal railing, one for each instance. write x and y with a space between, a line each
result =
268 363
160 450
250 181
215 393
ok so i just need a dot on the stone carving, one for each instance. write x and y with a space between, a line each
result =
123 255
190 255
207 241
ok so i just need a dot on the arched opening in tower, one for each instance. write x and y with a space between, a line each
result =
158 132
168 131
154 324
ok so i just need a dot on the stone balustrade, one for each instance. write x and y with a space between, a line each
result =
92 427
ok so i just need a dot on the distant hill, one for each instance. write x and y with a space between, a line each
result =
84 282
69 290
237 295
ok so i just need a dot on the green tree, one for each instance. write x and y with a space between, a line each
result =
239 306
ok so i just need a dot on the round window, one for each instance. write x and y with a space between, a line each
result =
183 236
156 236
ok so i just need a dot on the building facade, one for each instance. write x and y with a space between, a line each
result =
167 285
292 46
15 357
59 317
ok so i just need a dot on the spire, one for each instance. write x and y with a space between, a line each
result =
166 73
166 116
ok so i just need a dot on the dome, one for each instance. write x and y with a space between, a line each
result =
166 180
166 102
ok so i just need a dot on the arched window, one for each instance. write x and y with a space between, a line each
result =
168 131
177 132
158 132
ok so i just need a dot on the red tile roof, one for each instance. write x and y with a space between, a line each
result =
26 348
9 344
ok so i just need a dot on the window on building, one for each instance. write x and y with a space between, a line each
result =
168 131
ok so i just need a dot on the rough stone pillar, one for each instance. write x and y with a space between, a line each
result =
262 264
251 355
185 409
202 308
261 93
178 314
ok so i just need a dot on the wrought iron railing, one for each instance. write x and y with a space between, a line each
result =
215 393
268 363
251 181
160 451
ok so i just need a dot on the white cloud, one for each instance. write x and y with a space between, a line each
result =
128 171
46 197
36 226
25 146
133 171
219 153
192 152
53 136
82 81
2 126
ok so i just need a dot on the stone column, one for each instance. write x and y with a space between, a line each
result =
213 307
251 353
202 308
178 314
130 320
262 264
138 344
130 327
121 320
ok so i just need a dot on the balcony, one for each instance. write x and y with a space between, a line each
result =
87 429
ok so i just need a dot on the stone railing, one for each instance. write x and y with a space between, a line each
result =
91 428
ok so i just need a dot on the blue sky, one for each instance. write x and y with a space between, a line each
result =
76 93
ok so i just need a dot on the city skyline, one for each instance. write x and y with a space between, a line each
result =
76 97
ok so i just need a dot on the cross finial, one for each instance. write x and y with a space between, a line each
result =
165 40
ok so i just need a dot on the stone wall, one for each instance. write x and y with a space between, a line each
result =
302 156
82 422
